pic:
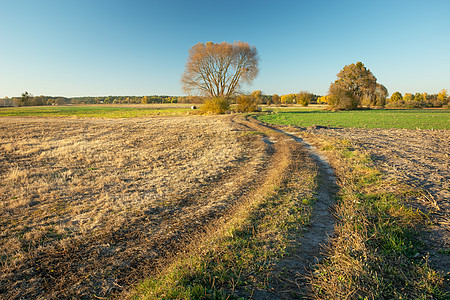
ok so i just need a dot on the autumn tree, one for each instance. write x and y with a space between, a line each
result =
418 97
443 95
323 99
257 95
275 99
288 98
24 100
304 98
219 70
355 82
408 97
397 96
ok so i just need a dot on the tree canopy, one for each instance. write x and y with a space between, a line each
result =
355 86
219 70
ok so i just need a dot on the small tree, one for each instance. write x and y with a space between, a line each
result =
304 98
276 99
24 100
397 96
408 97
257 95
247 103
443 95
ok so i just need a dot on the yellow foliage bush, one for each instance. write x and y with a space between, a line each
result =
246 104
215 106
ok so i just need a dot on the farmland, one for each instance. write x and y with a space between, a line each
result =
370 119
97 111
123 191
96 203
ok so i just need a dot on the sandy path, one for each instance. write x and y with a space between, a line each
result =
292 270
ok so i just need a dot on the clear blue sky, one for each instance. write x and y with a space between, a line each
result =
100 48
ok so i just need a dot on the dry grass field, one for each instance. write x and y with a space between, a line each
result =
93 208
89 206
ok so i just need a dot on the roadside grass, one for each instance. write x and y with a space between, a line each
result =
375 253
95 111
237 256
386 118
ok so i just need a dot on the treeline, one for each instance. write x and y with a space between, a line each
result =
124 100
418 100
303 98
29 100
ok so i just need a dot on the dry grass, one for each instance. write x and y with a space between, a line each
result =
240 256
88 207
375 253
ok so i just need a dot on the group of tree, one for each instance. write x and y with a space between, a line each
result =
303 98
419 100
220 70
124 100
27 99
355 87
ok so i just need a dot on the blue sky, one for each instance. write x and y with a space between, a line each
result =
100 48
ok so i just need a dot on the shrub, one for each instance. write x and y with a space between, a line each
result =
304 98
246 104
341 99
214 106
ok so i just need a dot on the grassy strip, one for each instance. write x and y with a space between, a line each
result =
388 118
238 257
375 254
92 111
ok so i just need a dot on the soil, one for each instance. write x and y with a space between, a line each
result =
290 274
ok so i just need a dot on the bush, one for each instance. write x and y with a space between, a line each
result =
215 106
304 98
246 104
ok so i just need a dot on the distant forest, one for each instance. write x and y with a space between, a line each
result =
397 100
30 100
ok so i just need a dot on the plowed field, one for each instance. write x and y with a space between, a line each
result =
421 159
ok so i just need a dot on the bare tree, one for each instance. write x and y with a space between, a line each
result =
219 70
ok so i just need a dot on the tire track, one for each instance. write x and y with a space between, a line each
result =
293 270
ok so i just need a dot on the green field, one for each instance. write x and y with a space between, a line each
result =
95 111
401 118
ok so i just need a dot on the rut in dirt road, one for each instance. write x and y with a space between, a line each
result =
294 269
